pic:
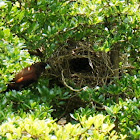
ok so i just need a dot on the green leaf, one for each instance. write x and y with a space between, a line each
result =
6 32
2 4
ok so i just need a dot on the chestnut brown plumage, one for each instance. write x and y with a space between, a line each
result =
27 76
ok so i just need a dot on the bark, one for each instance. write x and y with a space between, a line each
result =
115 60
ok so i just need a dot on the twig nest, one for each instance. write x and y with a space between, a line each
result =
78 65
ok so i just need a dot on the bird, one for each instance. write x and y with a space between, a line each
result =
26 76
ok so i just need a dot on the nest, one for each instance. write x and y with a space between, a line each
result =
78 65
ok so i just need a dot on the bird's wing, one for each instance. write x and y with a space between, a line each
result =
27 78
27 72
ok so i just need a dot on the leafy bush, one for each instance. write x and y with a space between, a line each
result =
47 25
97 127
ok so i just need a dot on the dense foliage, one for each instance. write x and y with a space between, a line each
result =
47 25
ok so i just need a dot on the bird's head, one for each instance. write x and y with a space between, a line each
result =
40 65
